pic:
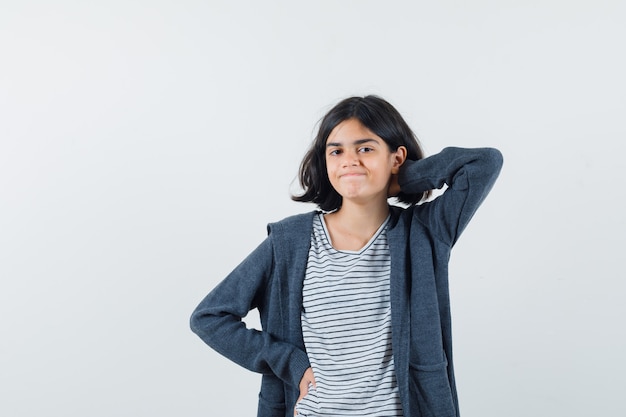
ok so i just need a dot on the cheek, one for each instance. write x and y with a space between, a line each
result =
328 172
330 167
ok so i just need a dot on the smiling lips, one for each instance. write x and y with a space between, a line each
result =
352 174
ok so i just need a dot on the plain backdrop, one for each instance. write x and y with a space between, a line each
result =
144 145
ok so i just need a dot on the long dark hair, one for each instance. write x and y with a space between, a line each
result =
377 115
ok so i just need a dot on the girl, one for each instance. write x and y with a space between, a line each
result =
353 298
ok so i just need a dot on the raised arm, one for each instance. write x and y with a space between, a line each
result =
469 175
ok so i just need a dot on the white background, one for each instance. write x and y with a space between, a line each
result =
144 145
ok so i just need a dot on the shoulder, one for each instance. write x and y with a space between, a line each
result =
298 223
291 237
404 219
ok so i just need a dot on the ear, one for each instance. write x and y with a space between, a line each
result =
399 156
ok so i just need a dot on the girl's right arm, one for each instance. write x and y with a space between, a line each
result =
217 320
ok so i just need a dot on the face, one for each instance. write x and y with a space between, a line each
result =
359 163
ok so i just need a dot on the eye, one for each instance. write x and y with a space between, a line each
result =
365 149
334 152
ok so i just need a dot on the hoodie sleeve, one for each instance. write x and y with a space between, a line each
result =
218 321
469 175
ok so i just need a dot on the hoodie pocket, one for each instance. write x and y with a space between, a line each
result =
430 389
271 397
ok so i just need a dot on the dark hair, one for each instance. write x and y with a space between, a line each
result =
377 115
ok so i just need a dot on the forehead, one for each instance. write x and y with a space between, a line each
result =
350 130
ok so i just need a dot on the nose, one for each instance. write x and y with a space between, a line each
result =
350 159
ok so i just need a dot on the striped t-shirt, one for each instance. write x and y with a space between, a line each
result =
346 324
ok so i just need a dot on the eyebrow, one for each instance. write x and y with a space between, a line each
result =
356 142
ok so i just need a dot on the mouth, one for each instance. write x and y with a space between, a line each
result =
352 174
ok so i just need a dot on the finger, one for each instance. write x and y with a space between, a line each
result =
295 410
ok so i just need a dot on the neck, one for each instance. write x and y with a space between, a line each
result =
361 219
353 225
362 216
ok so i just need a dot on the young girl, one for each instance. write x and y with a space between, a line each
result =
353 299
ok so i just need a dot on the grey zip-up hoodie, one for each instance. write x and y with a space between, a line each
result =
420 239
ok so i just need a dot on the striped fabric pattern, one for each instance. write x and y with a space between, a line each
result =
346 324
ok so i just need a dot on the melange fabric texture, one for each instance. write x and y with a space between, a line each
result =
420 239
346 324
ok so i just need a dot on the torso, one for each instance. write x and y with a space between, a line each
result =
346 323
